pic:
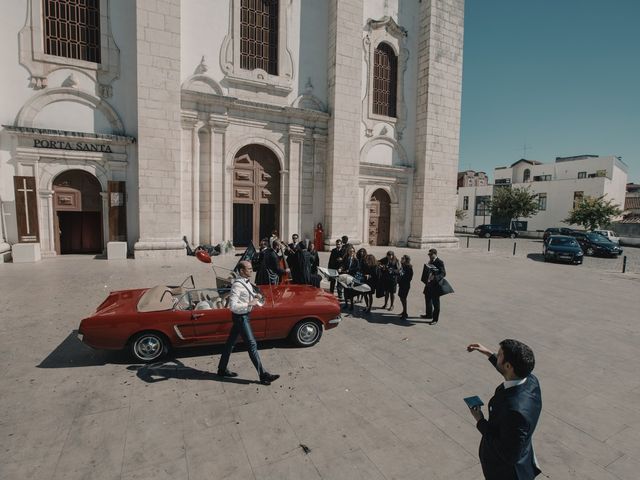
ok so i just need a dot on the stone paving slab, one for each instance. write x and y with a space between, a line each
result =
377 398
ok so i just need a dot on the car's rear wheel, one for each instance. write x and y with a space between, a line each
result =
149 346
589 251
306 333
487 235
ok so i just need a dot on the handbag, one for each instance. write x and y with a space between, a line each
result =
445 287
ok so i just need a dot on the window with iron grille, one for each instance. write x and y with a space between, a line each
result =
259 35
72 29
385 81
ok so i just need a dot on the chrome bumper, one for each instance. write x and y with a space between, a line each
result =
337 320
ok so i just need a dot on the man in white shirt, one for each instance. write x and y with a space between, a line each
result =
242 299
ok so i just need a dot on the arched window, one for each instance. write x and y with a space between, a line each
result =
72 29
526 175
385 81
259 35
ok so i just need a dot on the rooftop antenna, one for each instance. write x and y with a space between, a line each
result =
525 147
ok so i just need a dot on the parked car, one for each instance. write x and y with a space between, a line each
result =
596 244
610 235
555 231
487 231
562 248
150 321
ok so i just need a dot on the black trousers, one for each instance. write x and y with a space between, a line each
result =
241 326
432 301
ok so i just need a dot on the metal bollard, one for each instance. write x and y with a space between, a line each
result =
489 245
514 248
624 264
467 242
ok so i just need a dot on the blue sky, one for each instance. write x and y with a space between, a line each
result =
561 76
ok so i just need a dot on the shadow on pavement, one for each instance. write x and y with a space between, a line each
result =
175 369
73 353
380 317
536 257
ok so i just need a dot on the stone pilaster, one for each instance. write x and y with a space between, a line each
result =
437 123
159 129
293 183
220 211
344 94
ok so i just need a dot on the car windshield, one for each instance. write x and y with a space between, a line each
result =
596 237
565 242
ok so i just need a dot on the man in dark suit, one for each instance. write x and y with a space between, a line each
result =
432 276
506 452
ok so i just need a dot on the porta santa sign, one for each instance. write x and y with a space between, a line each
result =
64 145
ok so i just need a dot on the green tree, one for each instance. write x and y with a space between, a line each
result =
514 203
460 214
593 213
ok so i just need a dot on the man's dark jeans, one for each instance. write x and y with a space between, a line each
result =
241 326
432 300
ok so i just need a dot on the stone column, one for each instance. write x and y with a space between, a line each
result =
48 245
221 209
344 95
195 183
439 89
5 248
319 160
292 191
158 93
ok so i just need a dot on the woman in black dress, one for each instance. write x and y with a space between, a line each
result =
369 269
389 272
404 283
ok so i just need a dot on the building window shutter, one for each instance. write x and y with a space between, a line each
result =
385 81
72 29
259 35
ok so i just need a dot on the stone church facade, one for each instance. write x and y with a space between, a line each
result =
144 121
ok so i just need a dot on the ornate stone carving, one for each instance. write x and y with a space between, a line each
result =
40 64
279 85
388 31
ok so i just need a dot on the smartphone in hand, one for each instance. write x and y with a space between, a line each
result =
473 402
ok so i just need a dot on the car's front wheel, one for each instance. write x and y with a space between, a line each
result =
512 235
306 333
487 235
149 346
590 251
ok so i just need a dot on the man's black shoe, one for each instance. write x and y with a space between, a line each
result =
425 316
433 322
267 378
227 373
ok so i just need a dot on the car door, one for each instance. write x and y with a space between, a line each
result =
214 325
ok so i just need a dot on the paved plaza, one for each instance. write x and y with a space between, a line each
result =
375 399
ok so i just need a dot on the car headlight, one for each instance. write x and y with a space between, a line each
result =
579 254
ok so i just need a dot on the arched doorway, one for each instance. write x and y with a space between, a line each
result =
77 213
379 218
256 194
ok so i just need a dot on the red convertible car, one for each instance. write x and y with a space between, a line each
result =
151 321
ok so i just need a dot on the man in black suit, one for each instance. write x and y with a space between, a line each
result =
432 275
506 452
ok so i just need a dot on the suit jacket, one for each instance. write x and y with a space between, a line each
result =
269 263
506 452
438 275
